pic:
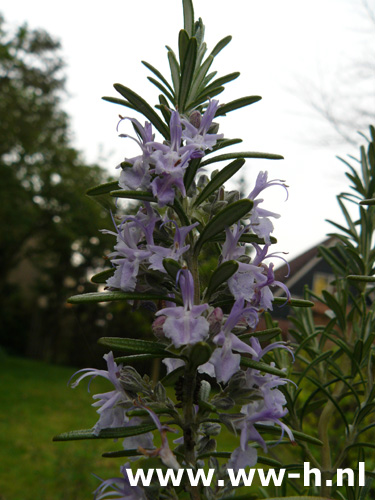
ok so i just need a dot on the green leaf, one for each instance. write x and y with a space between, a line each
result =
245 154
342 228
121 453
177 207
173 376
112 433
162 89
237 104
258 365
300 436
172 267
116 100
304 497
188 10
262 335
133 195
336 308
247 496
175 71
220 45
198 79
183 42
143 107
102 188
220 178
309 407
330 256
220 82
313 363
134 346
105 201
268 461
159 75
144 413
209 77
370 201
245 238
360 445
190 172
135 358
204 96
187 72
366 279
221 275
348 218
224 143
363 412
164 108
225 218
109 296
102 276
294 302
326 392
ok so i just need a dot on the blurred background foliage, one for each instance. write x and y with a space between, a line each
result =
50 240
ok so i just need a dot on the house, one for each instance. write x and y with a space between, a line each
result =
306 269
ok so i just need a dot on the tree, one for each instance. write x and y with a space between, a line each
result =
346 103
46 222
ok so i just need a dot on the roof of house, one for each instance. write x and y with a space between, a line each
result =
301 265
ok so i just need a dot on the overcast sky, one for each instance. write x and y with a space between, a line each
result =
279 46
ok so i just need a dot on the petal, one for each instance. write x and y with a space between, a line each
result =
242 458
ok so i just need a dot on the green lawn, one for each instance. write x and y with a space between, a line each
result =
36 404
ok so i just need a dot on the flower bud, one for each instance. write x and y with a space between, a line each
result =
215 320
200 353
214 129
195 119
202 181
157 327
232 196
211 429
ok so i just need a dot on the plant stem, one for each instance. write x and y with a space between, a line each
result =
323 426
189 426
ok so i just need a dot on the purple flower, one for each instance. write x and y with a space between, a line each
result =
111 411
259 218
175 252
231 249
141 440
121 489
242 284
173 363
263 183
170 163
185 324
267 410
164 452
240 458
137 176
129 254
226 363
260 352
252 282
263 296
196 133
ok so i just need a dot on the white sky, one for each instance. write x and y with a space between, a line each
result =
277 44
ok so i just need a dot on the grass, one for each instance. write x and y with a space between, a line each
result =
36 404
